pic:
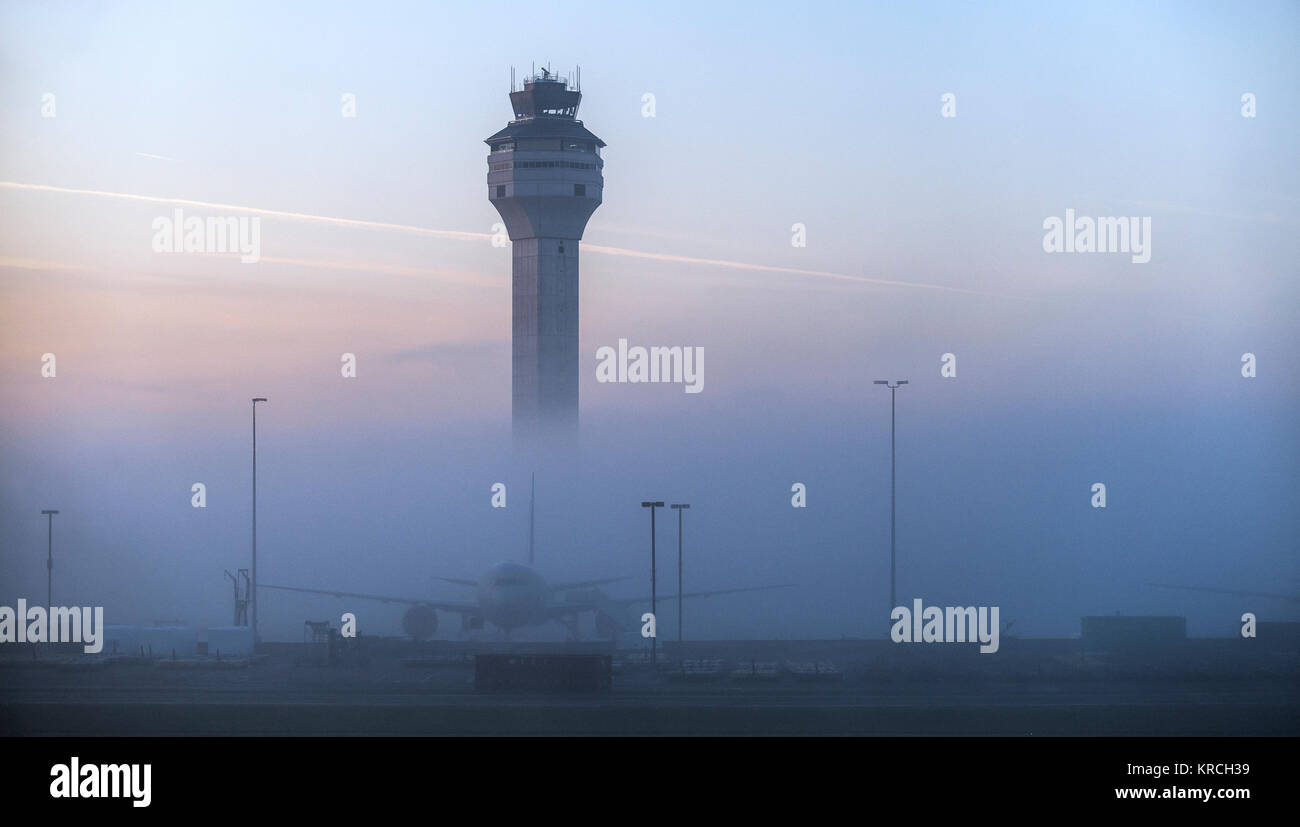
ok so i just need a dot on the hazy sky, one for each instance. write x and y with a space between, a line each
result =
924 237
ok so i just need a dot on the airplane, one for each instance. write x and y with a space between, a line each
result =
513 595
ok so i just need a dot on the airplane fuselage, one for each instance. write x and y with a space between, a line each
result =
512 595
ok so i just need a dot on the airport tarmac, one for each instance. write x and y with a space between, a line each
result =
387 687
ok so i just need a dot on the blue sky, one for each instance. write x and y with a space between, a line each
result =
1072 368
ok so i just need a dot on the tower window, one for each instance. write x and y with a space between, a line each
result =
501 191
580 189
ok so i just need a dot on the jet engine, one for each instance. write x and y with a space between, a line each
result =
420 622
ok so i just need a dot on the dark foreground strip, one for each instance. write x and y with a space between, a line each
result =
599 779
566 717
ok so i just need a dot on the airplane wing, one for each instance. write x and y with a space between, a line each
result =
458 581
628 601
550 587
598 602
1238 592
581 584
463 608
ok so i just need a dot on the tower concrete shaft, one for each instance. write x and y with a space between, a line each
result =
545 179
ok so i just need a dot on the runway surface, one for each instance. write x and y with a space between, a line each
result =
395 689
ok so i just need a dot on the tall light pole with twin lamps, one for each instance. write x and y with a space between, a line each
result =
680 507
893 387
49 563
653 648
255 401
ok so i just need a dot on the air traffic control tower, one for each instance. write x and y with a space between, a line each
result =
544 178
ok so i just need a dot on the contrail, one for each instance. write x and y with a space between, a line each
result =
466 236
772 268
292 216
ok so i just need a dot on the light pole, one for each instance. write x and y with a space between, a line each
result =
892 558
255 401
49 562
680 507
653 648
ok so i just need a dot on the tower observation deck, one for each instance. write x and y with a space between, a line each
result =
545 179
